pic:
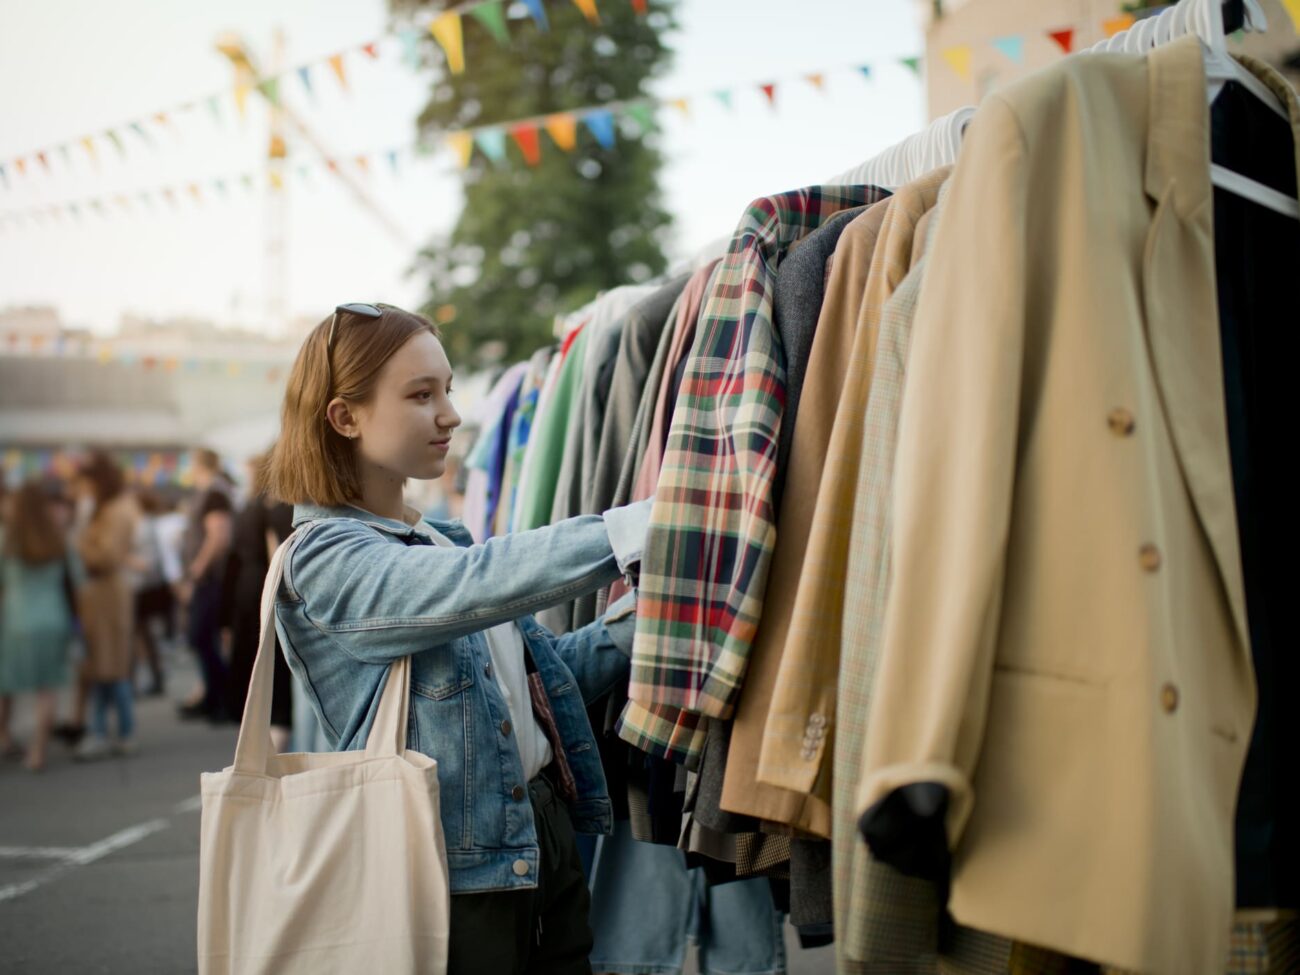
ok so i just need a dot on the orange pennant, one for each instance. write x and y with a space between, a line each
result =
818 81
1114 25
588 8
43 160
20 164
563 129
363 164
525 137
336 62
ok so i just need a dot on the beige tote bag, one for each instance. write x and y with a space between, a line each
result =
322 863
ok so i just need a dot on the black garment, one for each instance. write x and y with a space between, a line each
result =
214 499
1257 252
246 573
544 930
205 639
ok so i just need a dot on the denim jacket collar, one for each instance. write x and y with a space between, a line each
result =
312 512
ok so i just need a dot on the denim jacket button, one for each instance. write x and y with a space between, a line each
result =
517 793
520 868
505 727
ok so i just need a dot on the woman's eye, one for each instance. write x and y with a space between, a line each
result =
424 396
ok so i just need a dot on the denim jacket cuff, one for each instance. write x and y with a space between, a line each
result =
627 527
620 622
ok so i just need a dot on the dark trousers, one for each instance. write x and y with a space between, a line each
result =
539 931
205 637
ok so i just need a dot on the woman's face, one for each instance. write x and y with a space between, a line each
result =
406 428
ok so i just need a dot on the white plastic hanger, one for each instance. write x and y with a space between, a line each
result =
934 146
1204 18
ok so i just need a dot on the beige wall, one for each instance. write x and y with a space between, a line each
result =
976 22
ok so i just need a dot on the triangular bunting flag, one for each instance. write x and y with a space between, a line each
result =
116 139
958 59
241 99
66 153
724 96
770 91
138 129
640 6
563 130
1292 8
643 114
123 202
4 177
332 165
1012 46
492 142
275 179
144 197
247 180
817 80
410 46
601 124
1113 25
446 30
538 13
304 75
363 164
198 194
215 108
1063 38
525 137
220 184
20 164
462 143
588 8
493 18
270 87
913 63
866 71
336 63
74 210
371 50
392 160
682 105
169 195
44 160
304 173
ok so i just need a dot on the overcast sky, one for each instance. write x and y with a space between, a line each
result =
70 67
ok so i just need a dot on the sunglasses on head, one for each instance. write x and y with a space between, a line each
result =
351 308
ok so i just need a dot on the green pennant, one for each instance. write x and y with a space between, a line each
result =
116 139
271 89
913 63
492 16
643 114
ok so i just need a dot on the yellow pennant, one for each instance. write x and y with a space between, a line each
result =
89 143
462 143
277 181
588 8
958 59
447 32
336 62
683 106
1293 10
1114 25
241 99
563 129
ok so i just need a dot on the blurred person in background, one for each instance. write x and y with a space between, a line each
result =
37 573
209 530
154 599
260 526
106 604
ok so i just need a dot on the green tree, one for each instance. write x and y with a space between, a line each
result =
536 241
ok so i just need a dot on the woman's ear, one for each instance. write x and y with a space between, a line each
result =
342 419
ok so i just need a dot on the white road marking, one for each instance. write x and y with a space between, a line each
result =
192 804
37 852
80 857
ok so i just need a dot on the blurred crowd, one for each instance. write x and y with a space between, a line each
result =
102 583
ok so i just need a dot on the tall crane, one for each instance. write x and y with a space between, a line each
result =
282 120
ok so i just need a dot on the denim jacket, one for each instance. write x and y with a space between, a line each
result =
360 591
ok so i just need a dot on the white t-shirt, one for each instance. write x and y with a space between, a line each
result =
506 648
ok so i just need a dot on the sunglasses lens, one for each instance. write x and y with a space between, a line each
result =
360 308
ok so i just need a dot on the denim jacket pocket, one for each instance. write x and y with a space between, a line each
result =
440 672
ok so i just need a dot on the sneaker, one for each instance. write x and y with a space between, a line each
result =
91 749
125 747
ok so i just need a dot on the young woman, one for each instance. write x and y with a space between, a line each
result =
498 700
36 573
106 604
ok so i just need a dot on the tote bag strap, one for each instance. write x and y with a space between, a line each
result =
252 752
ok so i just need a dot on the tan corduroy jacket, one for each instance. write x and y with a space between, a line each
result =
1065 642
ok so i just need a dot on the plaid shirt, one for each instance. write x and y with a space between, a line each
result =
713 527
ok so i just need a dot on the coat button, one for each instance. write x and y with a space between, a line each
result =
1121 422
518 793
520 868
487 669
1169 698
1149 557
505 727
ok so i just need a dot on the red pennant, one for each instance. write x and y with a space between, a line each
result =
526 139
44 160
640 6
770 92
372 49
1065 38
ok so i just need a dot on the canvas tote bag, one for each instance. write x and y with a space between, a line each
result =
322 863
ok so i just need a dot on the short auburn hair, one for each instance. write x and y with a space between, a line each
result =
311 463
